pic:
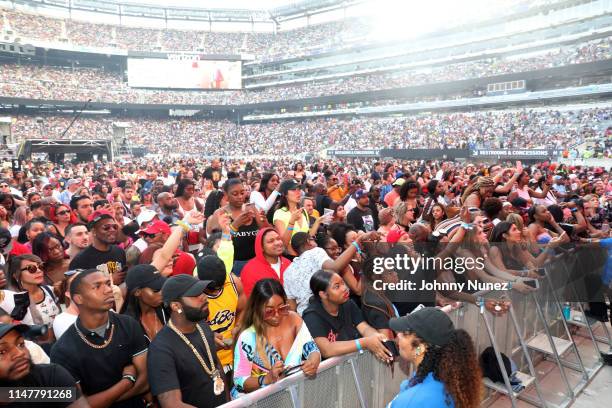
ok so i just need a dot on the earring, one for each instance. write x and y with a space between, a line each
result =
179 311
418 351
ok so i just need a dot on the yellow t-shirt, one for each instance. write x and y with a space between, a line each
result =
222 317
284 215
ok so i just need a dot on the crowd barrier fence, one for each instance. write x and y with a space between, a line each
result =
555 357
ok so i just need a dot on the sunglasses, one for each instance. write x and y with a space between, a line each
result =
280 311
109 227
3 185
63 212
31 268
149 235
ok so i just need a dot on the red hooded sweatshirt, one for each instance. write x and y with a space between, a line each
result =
259 268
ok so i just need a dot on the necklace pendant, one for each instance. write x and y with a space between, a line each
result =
219 385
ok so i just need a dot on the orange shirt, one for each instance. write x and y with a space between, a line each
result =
336 193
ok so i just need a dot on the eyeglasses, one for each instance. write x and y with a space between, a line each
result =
282 310
31 268
63 212
109 227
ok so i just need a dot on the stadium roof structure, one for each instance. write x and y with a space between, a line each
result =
134 8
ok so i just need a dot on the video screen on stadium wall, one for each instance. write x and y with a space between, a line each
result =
184 73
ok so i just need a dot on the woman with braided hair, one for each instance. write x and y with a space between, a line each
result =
475 194
447 372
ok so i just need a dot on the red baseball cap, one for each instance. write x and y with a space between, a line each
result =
157 226
99 215
394 235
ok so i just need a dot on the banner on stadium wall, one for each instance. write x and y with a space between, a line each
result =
354 153
177 73
514 153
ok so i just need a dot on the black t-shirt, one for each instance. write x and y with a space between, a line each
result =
44 375
322 202
361 219
172 365
375 310
214 175
334 328
110 261
97 370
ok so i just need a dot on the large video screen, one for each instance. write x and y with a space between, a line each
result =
184 74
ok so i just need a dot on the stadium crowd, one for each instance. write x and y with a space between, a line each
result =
192 281
558 129
264 45
80 84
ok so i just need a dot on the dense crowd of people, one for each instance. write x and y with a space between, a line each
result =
558 129
81 84
264 45
195 282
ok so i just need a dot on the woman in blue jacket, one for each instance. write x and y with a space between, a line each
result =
447 373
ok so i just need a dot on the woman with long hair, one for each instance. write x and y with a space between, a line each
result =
266 196
540 219
273 341
435 216
477 192
409 194
339 214
336 323
61 217
510 253
185 196
447 372
144 299
289 217
29 231
49 249
25 274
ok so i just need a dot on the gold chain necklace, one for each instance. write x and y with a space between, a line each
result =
213 371
96 346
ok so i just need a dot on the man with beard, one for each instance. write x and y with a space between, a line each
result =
167 206
183 364
105 352
82 207
17 370
102 254
213 173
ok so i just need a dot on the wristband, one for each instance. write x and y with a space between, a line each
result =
260 380
290 228
356 245
510 285
467 226
358 344
232 228
226 236
130 377
186 227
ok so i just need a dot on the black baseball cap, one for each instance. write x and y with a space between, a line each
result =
5 328
288 185
211 267
144 276
430 324
180 286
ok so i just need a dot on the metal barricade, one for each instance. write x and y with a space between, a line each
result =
354 380
553 363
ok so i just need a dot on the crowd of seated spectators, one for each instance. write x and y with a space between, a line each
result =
79 84
489 129
265 45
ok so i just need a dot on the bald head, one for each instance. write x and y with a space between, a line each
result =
418 232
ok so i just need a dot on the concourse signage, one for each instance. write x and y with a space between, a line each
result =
514 153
